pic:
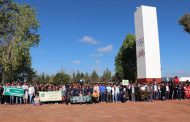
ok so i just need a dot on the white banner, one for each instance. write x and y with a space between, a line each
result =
125 82
50 96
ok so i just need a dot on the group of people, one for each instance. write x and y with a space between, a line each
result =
100 92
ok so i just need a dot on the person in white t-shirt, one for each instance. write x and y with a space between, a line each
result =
114 95
167 91
37 100
155 93
25 87
31 92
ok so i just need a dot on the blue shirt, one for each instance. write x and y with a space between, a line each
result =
102 88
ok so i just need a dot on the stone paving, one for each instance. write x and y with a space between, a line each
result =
160 111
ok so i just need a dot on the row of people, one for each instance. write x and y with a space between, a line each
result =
100 92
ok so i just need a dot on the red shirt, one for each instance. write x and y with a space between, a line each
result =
176 80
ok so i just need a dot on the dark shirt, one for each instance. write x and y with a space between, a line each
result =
163 90
1 91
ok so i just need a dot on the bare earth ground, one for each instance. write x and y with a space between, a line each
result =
170 111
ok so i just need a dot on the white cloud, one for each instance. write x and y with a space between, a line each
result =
76 62
89 40
105 49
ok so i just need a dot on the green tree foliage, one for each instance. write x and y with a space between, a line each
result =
87 77
44 78
18 33
94 77
78 76
106 75
185 22
74 77
125 60
61 78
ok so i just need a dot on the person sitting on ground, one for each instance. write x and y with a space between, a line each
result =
37 100
95 96
80 97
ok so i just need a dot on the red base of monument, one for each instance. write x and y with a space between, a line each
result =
148 80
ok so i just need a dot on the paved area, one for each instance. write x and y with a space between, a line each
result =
161 111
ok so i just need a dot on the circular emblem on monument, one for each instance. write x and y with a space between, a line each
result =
140 42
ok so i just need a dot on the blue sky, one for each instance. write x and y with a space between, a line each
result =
87 34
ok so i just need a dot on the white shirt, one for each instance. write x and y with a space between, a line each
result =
155 88
167 88
25 87
117 89
108 88
133 89
31 90
113 90
96 88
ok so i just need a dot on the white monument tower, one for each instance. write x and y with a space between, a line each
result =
147 44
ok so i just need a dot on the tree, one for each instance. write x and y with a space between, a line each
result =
78 76
81 75
86 77
94 76
125 60
61 78
74 77
185 22
106 75
18 33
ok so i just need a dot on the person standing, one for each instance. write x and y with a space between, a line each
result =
25 87
163 92
137 92
102 92
108 90
159 92
18 98
155 93
117 93
167 91
1 94
132 91
150 92
113 89
176 80
12 97
180 91
7 98
31 92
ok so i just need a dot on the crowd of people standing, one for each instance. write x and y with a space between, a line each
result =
100 92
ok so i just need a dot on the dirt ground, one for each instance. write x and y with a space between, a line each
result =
168 111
